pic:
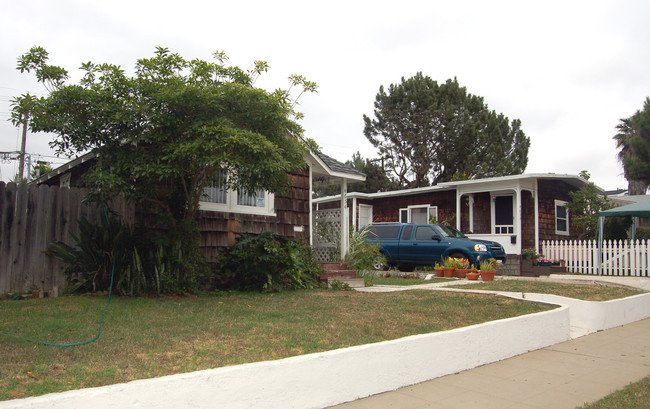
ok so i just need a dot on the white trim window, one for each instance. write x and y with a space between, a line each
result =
561 218
216 197
503 214
418 214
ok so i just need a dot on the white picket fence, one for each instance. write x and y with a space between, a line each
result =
620 257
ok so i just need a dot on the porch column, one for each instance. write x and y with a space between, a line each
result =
354 214
458 196
344 221
536 201
518 225
311 214
471 213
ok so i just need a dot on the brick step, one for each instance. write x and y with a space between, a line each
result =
333 266
338 274
352 282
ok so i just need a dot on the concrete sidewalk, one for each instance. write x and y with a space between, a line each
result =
565 375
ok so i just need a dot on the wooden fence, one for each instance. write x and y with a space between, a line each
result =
31 217
619 257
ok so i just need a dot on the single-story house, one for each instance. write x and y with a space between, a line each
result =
516 211
226 214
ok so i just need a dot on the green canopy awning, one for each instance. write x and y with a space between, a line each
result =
639 209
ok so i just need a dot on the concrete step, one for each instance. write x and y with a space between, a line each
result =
338 274
352 282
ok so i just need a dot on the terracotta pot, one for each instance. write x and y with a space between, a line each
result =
473 275
440 272
487 275
448 271
461 272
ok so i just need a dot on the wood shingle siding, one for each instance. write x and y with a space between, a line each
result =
549 192
32 216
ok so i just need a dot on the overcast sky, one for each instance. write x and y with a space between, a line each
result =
570 70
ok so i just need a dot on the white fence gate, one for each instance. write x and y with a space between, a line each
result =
620 257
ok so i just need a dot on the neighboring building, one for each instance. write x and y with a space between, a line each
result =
516 211
226 214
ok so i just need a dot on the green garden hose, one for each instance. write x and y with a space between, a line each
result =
101 320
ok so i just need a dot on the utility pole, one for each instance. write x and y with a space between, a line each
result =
22 149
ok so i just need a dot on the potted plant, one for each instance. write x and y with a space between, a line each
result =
449 266
438 268
528 257
529 254
544 262
472 274
462 267
488 269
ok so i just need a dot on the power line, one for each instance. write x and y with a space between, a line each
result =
23 90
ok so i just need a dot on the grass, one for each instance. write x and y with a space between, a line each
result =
577 291
633 396
144 338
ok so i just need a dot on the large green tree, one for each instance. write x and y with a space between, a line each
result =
584 206
428 132
633 142
164 132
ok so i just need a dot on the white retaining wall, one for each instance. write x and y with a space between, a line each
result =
591 316
327 378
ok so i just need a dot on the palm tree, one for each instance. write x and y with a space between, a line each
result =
633 140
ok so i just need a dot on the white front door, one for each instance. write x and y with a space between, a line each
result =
365 215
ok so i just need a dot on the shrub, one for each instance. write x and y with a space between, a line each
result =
306 264
362 254
340 286
643 233
136 261
267 262
530 254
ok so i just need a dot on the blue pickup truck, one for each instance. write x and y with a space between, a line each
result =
410 245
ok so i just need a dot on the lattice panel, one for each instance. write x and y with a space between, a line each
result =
327 234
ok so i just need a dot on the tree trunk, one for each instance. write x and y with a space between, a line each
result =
636 187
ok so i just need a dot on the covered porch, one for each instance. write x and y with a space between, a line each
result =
505 211
329 228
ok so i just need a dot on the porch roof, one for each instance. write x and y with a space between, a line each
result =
573 180
485 184
327 167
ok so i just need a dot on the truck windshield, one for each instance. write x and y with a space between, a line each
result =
449 231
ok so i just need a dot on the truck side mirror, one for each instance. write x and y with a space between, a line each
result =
435 237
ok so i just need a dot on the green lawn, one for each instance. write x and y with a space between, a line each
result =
581 292
633 396
149 337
